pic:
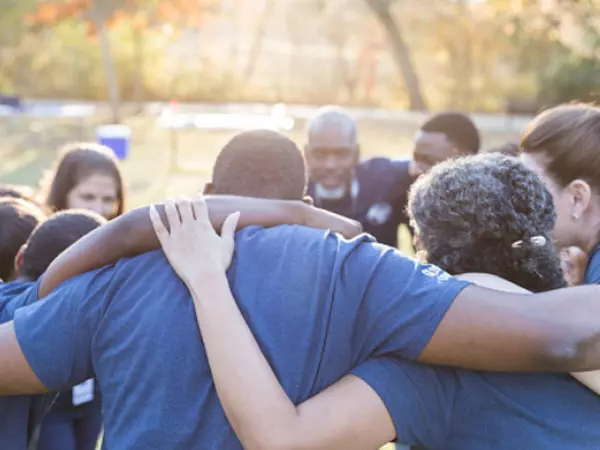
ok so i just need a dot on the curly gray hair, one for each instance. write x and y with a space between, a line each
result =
468 213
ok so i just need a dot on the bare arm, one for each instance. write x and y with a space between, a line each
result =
557 331
347 415
15 373
589 379
132 233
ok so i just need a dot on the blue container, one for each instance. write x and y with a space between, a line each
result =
115 137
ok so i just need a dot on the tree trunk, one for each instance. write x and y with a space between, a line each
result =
138 69
111 76
259 36
401 53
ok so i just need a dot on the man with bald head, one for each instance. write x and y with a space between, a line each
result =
374 191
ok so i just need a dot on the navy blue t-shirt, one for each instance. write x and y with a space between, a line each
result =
14 411
317 304
382 195
592 271
446 409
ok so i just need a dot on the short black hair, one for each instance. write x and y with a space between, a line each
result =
53 236
469 212
458 128
18 218
260 163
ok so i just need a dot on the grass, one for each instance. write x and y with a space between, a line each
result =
29 148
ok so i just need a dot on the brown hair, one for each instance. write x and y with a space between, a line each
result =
77 162
569 136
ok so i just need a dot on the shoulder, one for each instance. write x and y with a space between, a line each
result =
15 295
419 397
385 165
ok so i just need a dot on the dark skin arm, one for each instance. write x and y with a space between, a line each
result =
557 331
132 233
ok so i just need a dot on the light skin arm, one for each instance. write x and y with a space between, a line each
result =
255 403
589 379
348 414
16 377
132 233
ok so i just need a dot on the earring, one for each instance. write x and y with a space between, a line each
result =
575 216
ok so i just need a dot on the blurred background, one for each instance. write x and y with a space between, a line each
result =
183 74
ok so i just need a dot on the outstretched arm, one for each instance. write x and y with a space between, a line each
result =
348 415
589 379
132 233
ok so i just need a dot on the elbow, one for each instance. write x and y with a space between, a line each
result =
268 442
573 354
272 438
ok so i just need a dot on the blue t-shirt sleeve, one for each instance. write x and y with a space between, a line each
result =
14 297
592 271
401 301
55 334
418 397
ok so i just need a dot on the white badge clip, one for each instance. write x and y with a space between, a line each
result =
83 393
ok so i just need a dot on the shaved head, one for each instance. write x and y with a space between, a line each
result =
332 127
332 150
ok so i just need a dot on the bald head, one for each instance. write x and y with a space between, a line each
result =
331 148
331 127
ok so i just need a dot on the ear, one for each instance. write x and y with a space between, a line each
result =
308 200
581 196
19 259
208 189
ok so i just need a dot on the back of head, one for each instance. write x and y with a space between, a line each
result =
458 128
53 236
16 191
77 162
469 214
260 163
569 138
18 218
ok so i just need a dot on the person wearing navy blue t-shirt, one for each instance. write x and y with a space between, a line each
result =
385 397
372 192
375 191
319 305
21 415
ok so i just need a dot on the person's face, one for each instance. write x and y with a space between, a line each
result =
330 159
97 193
431 149
571 202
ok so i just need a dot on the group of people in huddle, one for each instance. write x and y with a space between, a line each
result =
251 317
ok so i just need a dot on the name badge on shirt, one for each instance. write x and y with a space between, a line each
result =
83 393
379 213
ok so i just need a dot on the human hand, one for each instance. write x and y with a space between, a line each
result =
191 245
574 262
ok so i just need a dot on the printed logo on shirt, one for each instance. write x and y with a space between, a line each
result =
436 272
379 213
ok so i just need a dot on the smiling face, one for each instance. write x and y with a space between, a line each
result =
332 150
97 193
562 145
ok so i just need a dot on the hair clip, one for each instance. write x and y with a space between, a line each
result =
536 241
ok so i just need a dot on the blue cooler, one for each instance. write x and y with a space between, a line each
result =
115 137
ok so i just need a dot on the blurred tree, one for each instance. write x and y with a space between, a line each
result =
100 14
401 52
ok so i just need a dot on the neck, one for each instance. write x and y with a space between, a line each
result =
25 279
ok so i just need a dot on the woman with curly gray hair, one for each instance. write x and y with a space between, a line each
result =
487 213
